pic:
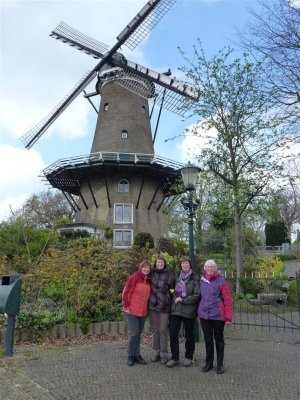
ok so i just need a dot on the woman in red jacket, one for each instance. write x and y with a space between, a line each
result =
135 298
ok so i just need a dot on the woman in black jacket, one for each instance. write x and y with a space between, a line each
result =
159 308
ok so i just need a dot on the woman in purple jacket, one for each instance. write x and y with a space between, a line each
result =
214 311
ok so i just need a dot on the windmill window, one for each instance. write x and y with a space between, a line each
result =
123 186
124 134
105 107
143 109
122 238
123 214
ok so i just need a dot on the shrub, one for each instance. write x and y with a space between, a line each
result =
286 257
144 239
250 287
37 323
292 294
172 246
216 256
270 266
276 233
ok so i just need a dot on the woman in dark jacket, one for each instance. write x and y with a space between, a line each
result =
214 311
162 281
184 309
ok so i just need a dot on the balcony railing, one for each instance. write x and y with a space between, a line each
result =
102 157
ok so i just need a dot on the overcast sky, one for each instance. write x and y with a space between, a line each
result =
38 71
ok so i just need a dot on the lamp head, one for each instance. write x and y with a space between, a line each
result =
189 175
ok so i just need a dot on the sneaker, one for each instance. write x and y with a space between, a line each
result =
171 363
164 360
187 362
139 359
154 357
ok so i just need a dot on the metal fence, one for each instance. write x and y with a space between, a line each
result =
285 248
267 303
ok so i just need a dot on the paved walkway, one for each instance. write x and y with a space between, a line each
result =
259 365
291 267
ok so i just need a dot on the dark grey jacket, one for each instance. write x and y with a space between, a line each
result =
161 282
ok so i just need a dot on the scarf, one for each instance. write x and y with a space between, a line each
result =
211 276
180 289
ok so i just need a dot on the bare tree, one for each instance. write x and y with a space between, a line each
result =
274 34
288 199
43 209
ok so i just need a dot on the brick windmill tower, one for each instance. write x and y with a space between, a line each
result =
121 183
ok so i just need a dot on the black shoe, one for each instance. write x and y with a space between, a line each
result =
207 367
220 369
139 359
130 361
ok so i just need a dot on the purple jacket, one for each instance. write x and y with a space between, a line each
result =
216 300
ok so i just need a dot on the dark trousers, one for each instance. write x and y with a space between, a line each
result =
175 325
213 329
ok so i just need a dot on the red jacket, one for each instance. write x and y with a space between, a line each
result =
136 294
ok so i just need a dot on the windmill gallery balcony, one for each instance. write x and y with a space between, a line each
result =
66 173
98 180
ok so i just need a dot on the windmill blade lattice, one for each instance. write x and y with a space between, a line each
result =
161 79
80 41
131 36
170 101
29 138
143 29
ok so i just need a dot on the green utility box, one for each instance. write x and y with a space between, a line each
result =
10 294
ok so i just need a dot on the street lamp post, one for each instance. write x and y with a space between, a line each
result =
189 176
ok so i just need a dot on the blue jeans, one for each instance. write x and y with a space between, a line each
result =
135 329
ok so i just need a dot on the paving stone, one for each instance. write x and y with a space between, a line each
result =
258 366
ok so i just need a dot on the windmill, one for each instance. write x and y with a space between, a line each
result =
121 183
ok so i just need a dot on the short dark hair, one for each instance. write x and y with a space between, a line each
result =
160 258
185 258
143 263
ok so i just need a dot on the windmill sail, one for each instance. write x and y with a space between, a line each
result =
138 28
144 22
163 80
37 131
80 41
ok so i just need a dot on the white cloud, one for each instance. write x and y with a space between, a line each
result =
19 170
295 3
194 142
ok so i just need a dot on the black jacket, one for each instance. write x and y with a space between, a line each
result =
161 282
